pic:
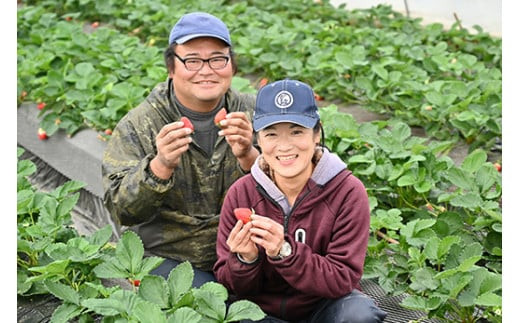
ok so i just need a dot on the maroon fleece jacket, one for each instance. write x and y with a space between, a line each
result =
327 228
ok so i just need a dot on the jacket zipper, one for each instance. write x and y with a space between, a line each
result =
262 191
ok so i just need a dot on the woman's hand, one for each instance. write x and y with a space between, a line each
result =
239 241
267 233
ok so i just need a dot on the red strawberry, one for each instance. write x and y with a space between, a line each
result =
95 24
108 132
41 105
135 282
498 167
243 214
42 134
318 97
221 115
263 82
187 123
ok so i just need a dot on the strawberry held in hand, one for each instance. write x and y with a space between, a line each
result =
243 214
187 123
221 115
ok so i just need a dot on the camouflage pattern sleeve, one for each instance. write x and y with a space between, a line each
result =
132 192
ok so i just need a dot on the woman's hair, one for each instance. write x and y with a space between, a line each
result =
169 58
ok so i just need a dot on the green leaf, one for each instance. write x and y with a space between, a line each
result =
84 69
210 305
244 310
491 283
185 314
406 180
25 168
415 302
154 289
468 263
63 292
489 299
435 98
474 161
461 179
104 306
130 251
422 187
469 201
218 290
65 313
101 236
380 71
148 264
445 245
111 269
423 279
180 280
147 312
66 205
455 283
54 268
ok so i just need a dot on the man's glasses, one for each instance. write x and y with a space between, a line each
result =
195 64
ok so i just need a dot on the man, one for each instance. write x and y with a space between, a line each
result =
166 181
300 256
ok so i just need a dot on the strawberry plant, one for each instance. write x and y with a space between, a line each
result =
54 259
436 227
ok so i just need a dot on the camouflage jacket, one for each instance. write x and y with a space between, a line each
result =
175 218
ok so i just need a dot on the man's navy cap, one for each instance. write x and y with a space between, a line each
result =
199 24
285 101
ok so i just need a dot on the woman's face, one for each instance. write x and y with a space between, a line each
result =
288 149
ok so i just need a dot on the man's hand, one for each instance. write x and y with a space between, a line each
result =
172 141
239 241
238 131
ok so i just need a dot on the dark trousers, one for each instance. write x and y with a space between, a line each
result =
200 276
355 307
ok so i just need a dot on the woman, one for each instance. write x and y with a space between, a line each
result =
301 256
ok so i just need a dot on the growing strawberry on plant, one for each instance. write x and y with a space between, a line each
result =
135 282
243 214
41 105
42 134
221 115
187 123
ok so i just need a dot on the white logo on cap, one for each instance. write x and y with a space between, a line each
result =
283 99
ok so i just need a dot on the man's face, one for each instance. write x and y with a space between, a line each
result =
201 90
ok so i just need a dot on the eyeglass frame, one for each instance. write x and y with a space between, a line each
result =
208 60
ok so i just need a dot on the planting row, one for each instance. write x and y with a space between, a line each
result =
448 82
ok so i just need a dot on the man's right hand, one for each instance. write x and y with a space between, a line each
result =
172 141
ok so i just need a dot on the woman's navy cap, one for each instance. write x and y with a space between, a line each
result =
199 24
285 101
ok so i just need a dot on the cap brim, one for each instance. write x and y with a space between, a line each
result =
186 38
266 121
